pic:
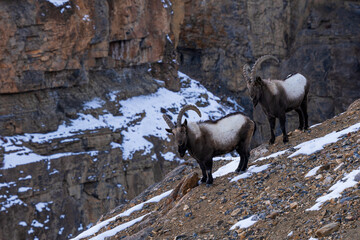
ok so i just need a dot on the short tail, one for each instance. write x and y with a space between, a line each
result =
254 128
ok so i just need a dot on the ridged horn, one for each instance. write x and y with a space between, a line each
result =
168 121
246 70
258 62
183 110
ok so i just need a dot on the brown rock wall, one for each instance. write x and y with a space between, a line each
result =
54 59
319 39
76 189
39 40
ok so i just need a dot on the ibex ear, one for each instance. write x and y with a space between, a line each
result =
169 130
185 123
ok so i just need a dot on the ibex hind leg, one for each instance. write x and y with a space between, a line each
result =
301 118
203 170
244 159
283 128
208 167
272 122
304 110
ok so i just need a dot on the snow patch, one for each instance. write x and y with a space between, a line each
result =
230 167
12 200
115 145
253 169
8 185
23 223
86 18
170 156
272 155
37 224
117 229
245 223
126 213
347 182
318 144
24 189
43 205
25 178
58 3
313 171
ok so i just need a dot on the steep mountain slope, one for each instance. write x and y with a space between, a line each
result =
106 154
72 63
306 189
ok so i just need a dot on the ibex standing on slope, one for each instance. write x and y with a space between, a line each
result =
205 140
277 97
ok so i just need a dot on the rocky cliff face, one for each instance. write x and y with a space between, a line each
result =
54 199
319 39
55 57
46 45
52 47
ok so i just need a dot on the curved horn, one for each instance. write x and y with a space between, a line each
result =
183 110
246 70
168 121
258 62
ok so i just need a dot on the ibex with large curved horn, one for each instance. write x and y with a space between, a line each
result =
277 97
205 140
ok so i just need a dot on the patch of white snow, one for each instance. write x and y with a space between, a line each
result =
336 190
313 171
245 223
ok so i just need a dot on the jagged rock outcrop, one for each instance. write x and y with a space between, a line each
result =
319 39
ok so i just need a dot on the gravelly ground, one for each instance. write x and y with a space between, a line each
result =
278 196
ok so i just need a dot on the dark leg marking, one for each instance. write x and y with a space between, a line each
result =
283 128
301 118
208 166
204 178
272 122
304 110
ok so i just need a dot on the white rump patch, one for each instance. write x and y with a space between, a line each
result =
225 130
294 86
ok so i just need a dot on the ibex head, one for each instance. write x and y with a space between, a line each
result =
180 130
255 85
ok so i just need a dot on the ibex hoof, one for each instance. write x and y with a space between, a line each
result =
201 182
209 182
238 170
